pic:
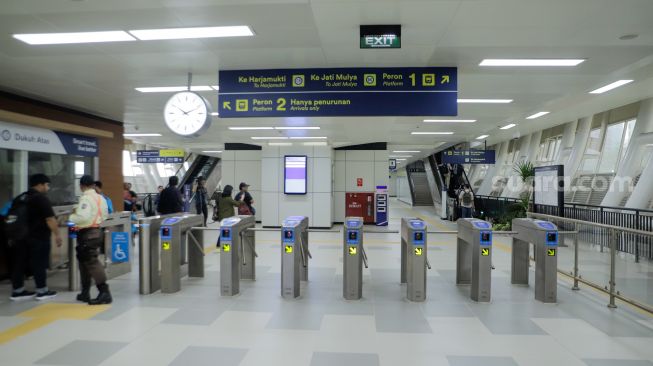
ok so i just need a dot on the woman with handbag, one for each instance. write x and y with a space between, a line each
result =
226 205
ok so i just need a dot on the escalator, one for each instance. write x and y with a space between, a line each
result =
419 185
202 166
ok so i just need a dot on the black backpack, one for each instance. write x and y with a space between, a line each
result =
16 225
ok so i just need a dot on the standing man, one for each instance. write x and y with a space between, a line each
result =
35 247
201 198
87 216
466 198
245 196
170 200
98 189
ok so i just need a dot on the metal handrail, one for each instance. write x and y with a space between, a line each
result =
575 221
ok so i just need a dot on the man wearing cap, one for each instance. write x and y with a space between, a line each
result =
87 216
245 196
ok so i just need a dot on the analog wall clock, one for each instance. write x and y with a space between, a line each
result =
187 114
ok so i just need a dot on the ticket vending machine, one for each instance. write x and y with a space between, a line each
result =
294 255
413 258
353 255
238 253
544 237
178 258
474 257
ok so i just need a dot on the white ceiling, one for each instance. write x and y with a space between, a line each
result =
100 78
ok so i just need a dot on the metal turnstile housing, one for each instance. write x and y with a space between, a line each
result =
294 255
413 257
353 258
238 253
178 258
474 257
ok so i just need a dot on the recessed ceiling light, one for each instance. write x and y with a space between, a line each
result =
537 115
507 127
308 138
172 89
212 151
431 133
78 37
249 128
482 137
269 138
296 128
449 120
185 33
401 159
279 143
486 101
400 156
406 151
531 62
609 87
315 143
141 134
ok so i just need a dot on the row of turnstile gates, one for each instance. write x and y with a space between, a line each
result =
179 252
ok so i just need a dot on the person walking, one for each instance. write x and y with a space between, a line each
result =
170 200
245 196
226 206
98 189
466 198
202 198
33 248
87 216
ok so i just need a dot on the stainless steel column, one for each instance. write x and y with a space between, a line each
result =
73 265
237 259
248 248
520 260
352 258
171 255
475 257
144 261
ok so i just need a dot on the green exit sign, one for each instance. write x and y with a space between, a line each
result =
380 36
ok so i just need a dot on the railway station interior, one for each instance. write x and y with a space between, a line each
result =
326 182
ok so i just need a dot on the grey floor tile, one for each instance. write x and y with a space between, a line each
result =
601 362
344 359
485 361
205 315
439 309
295 315
82 353
210 356
400 317
507 319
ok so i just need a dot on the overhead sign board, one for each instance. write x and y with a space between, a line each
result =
468 157
380 36
160 156
419 91
21 137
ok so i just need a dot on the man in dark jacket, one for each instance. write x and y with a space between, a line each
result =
170 200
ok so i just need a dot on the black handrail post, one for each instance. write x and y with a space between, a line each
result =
637 225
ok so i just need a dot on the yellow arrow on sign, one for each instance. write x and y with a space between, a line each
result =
226 105
485 252
418 252
352 250
226 247
552 252
166 245
288 248
445 79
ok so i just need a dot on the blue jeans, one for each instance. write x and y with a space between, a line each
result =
466 212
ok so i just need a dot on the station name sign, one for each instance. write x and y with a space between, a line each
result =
468 157
418 91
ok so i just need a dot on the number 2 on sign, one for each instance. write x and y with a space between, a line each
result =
281 104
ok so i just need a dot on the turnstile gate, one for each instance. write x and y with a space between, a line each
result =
474 257
237 259
149 251
544 236
413 258
353 257
178 258
294 255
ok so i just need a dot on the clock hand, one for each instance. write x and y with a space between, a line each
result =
182 111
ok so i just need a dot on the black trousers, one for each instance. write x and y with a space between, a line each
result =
89 242
32 254
204 211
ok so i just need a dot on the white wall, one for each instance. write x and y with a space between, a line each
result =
371 165
244 166
316 204
403 187
392 184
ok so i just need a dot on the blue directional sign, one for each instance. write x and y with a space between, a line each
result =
424 91
468 157
160 156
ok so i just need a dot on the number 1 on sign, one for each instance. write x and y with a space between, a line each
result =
412 79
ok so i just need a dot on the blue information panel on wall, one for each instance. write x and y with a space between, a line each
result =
468 157
423 91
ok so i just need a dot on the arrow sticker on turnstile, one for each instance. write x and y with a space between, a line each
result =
165 245
226 247
288 249
485 252
551 252
352 250
418 252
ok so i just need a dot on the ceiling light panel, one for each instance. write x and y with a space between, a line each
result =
609 87
537 115
532 62
186 33
280 144
308 138
172 89
141 134
249 128
78 37
482 137
507 127
269 138
296 128
406 151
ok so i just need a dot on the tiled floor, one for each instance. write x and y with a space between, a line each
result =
199 327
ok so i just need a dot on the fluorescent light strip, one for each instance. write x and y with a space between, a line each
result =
249 128
141 134
215 114
315 143
485 101
280 144
308 138
270 138
171 89
482 137
297 128
212 151
507 127
538 115
531 62
400 159
609 87
400 156
406 151
185 33
431 133
449 120
78 37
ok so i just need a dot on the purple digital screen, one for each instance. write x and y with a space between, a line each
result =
294 174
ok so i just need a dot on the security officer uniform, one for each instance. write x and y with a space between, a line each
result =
88 214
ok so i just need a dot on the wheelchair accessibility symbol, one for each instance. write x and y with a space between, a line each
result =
119 247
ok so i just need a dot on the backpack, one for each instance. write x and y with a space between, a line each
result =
17 223
148 206
467 198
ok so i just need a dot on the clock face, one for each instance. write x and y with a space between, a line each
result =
187 114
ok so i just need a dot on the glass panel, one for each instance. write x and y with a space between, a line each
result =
630 126
126 164
611 146
9 164
589 164
593 143
64 187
